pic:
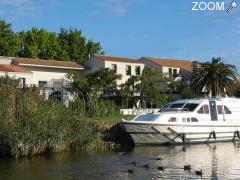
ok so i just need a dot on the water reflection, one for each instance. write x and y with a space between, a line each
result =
217 161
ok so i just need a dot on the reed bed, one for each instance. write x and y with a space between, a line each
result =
31 125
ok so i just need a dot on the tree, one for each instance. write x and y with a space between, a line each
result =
9 42
74 43
104 81
8 81
215 77
130 88
173 85
68 45
151 83
39 43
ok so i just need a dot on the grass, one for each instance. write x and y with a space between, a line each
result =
31 125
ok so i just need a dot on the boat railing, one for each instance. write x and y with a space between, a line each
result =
174 110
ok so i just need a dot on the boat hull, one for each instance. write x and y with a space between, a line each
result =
164 134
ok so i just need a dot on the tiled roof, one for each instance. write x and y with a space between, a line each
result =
118 59
183 64
12 68
51 63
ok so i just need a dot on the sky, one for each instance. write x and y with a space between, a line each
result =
137 28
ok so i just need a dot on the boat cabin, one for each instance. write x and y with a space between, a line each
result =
196 110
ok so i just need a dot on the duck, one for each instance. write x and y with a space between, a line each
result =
199 173
134 163
130 171
146 166
187 167
161 168
159 158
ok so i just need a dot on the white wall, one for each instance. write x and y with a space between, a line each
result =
5 60
94 64
17 75
49 74
121 69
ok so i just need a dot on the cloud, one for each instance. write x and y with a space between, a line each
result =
15 9
18 8
116 7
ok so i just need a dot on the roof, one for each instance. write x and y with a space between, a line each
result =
183 64
12 68
118 59
49 63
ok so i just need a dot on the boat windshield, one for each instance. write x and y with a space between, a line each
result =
146 117
164 107
172 107
190 106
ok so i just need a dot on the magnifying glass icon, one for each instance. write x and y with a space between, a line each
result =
233 4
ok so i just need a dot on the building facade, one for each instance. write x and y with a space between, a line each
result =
179 70
123 66
50 77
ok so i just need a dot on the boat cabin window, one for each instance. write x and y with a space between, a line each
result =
204 109
194 119
191 106
164 107
226 110
177 105
220 109
146 117
190 119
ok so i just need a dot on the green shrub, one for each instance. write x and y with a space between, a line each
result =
32 125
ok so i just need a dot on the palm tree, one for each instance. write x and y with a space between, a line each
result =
215 77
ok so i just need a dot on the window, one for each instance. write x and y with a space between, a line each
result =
194 119
177 105
204 110
147 117
128 70
42 83
170 72
22 82
220 109
164 108
201 110
114 68
191 106
175 74
137 70
226 110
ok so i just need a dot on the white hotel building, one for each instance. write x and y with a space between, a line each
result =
124 66
51 76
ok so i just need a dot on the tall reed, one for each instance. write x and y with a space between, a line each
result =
32 125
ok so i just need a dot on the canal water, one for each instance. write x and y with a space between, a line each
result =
217 161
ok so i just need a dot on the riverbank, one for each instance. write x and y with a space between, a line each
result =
31 125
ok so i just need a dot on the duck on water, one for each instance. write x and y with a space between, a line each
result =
200 120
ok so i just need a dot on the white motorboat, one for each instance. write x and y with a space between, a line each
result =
187 121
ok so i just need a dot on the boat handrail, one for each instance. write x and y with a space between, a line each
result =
174 109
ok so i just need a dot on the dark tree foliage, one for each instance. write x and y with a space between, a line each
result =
216 77
9 41
68 45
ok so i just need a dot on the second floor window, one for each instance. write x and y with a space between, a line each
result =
137 70
128 70
175 74
42 83
170 72
114 68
